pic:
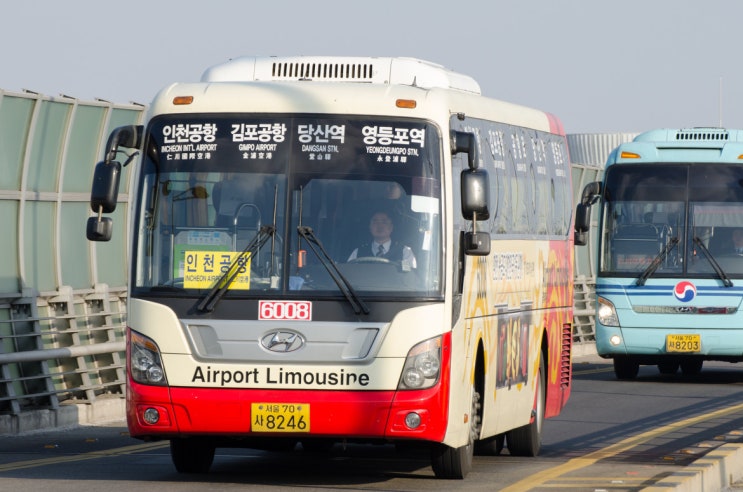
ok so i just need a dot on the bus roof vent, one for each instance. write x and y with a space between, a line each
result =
403 71
307 70
703 134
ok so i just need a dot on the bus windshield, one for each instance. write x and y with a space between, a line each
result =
289 203
679 218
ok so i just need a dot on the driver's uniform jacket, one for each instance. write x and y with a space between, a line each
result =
394 253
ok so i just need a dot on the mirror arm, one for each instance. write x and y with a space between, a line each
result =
129 136
465 142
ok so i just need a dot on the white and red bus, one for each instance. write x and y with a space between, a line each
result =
261 310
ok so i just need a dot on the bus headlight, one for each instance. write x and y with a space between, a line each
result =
606 313
422 365
144 360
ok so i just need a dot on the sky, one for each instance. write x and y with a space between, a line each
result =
601 66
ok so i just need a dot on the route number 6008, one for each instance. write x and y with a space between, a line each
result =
285 310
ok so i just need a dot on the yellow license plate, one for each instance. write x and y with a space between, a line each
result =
683 343
280 417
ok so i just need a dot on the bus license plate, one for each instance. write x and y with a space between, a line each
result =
683 343
280 417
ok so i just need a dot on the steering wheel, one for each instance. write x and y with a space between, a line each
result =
370 259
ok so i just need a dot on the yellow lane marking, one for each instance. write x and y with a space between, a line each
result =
592 371
589 459
19 465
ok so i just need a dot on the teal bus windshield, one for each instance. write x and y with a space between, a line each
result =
683 217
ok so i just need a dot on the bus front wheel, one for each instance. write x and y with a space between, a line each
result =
191 455
448 462
668 367
626 368
691 367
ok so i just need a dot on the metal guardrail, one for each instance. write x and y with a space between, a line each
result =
584 310
59 347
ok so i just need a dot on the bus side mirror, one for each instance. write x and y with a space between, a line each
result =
99 228
591 194
106 177
105 190
103 196
582 224
475 197
475 194
477 243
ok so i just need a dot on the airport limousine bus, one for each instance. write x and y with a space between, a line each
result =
261 311
670 277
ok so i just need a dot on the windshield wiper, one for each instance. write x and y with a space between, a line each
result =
716 266
657 261
222 285
344 285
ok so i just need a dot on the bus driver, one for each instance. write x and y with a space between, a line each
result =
382 244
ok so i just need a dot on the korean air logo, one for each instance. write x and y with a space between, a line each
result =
685 291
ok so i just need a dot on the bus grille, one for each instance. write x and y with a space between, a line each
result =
359 72
567 346
702 134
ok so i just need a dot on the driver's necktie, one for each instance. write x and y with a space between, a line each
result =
380 250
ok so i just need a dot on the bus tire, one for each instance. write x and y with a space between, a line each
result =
668 367
456 463
691 367
527 440
625 368
492 446
191 455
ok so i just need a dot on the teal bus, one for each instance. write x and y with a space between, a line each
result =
669 281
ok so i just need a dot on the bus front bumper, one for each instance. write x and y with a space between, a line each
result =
713 343
185 412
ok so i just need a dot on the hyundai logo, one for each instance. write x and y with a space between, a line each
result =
282 341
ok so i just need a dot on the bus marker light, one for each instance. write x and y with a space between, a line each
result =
151 416
615 340
406 103
629 155
412 420
182 100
